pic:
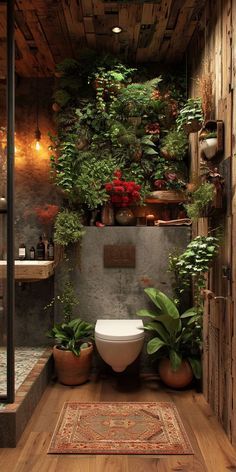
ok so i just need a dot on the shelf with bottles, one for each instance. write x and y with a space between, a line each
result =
29 270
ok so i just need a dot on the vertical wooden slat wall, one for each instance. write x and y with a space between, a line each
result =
213 51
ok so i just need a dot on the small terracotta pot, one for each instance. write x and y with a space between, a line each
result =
71 369
175 379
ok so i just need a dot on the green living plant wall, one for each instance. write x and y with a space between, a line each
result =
110 116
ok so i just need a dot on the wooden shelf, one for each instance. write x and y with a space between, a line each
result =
162 201
166 196
30 271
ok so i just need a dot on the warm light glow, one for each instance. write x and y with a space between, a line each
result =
116 29
37 146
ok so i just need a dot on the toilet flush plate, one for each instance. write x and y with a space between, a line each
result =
119 256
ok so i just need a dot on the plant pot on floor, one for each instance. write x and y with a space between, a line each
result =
180 378
72 369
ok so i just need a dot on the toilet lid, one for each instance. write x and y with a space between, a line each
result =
119 330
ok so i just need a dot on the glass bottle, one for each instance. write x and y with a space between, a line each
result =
22 252
40 249
32 253
50 250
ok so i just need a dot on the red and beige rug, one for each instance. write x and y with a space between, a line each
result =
119 428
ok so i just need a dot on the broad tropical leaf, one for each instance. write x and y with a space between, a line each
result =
164 303
196 367
152 293
175 359
189 313
154 345
160 329
146 313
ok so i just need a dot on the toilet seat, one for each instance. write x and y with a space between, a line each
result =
119 330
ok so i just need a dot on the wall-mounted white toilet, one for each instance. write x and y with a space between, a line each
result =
119 342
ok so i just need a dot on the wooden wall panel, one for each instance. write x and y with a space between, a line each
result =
217 31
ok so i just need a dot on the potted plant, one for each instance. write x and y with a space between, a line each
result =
68 227
190 117
176 342
73 350
174 145
199 201
190 268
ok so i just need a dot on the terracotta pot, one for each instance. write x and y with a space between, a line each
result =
175 379
192 127
71 369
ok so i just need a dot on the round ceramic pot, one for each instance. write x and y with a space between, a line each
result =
71 369
209 147
175 379
125 217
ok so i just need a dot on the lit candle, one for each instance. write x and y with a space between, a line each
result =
150 220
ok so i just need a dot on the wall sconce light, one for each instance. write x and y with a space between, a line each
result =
116 29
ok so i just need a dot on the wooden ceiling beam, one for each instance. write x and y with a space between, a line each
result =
44 52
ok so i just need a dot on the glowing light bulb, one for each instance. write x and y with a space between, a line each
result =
117 29
37 146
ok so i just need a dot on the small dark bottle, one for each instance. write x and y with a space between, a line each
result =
40 249
32 254
50 250
22 252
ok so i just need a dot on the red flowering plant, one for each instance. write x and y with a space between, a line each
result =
122 193
45 215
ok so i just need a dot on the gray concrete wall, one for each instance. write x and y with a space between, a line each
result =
118 292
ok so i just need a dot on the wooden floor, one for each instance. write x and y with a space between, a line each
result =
213 451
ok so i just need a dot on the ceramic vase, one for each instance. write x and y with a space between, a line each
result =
125 217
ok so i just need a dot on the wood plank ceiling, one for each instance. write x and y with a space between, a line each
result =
47 31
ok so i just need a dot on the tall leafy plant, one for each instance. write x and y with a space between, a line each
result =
176 336
191 267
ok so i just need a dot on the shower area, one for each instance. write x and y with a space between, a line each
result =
25 359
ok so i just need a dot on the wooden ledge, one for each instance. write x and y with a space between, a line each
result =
30 270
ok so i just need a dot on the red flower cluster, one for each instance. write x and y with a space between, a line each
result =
122 193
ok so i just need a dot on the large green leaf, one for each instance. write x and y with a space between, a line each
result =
189 313
154 345
160 329
152 293
172 325
175 360
196 367
164 303
146 313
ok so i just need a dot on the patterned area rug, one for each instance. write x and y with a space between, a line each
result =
119 428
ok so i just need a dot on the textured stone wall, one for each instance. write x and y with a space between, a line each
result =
118 292
33 190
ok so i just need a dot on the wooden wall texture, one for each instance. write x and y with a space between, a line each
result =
213 52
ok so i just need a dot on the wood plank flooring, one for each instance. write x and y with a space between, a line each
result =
213 452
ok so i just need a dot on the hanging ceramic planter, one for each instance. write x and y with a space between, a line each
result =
209 146
211 139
